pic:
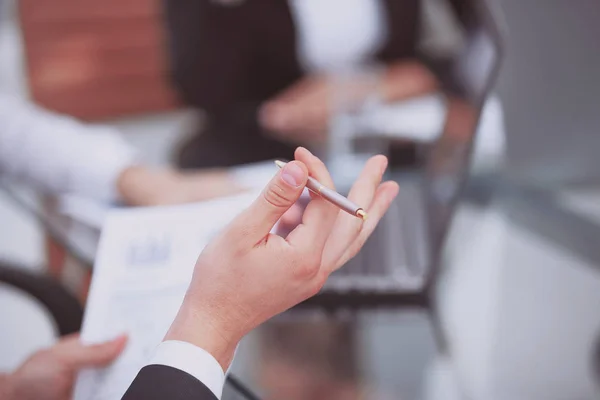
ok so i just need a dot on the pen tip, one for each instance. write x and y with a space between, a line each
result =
280 163
362 214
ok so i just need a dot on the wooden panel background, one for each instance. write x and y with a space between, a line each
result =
96 59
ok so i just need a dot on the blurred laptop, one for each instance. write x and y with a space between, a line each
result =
402 256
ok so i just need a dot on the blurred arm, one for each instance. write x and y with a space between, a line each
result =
406 79
59 154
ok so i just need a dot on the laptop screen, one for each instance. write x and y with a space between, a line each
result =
471 75
461 44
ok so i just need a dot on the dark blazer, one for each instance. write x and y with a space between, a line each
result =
227 59
159 382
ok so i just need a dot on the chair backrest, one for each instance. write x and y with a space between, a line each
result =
96 59
65 309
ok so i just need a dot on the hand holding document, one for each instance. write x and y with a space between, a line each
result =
147 257
143 267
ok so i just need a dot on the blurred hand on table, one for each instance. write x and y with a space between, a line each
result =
142 186
50 374
302 112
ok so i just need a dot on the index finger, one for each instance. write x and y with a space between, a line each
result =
320 215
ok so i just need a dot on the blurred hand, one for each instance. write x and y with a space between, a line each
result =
247 275
50 374
301 113
141 186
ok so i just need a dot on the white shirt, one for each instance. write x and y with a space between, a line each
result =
59 154
335 34
191 359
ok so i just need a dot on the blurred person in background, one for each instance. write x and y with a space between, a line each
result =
58 154
263 71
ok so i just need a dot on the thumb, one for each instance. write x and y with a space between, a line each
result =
279 195
78 355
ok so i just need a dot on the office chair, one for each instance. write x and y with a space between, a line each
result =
63 306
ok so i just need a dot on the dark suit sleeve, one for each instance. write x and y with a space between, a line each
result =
159 382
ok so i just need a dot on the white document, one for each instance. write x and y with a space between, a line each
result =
420 119
144 264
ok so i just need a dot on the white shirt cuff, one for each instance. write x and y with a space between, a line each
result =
193 360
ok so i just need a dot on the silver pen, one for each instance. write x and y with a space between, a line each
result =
331 196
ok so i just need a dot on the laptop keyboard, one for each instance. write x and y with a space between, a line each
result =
395 257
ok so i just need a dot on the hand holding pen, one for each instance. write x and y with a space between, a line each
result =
331 196
247 274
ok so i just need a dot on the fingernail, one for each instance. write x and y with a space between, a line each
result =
384 166
292 174
307 151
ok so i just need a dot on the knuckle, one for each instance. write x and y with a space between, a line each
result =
306 267
314 262
321 279
318 166
317 162
316 259
277 196
311 269
314 290
306 270
242 232
318 284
